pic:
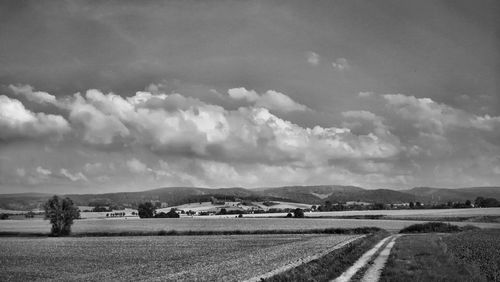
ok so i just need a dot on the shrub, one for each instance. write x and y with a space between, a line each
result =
431 227
298 213
4 216
146 210
61 213
171 214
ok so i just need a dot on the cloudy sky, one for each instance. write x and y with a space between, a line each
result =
105 96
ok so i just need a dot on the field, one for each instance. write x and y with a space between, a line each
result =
466 256
179 258
478 248
210 224
414 213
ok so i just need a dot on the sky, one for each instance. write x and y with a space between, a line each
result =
107 96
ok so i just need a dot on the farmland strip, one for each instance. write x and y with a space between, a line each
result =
302 261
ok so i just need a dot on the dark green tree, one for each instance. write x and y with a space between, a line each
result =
146 210
61 213
298 213
172 213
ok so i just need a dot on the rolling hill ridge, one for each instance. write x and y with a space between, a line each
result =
301 194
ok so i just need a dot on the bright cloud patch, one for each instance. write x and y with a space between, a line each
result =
34 96
271 100
18 122
312 58
73 177
341 64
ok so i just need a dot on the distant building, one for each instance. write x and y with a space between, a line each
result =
164 205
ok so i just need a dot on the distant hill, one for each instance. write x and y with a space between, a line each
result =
299 194
336 193
442 195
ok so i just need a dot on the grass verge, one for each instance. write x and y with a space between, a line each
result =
346 231
333 264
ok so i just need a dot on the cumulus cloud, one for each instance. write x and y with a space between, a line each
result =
73 177
136 166
42 171
97 126
312 58
18 122
243 94
211 145
434 117
35 96
341 64
271 100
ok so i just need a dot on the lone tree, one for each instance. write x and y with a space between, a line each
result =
146 210
298 213
61 213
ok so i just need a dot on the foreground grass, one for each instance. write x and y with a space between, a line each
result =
333 264
343 231
466 256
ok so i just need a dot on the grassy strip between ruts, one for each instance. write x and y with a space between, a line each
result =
345 231
333 264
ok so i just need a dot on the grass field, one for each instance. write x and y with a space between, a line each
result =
210 224
466 256
182 258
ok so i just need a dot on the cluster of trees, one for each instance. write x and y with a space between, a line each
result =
223 211
486 202
115 214
101 209
297 213
171 214
148 210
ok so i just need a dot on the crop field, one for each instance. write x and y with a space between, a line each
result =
211 224
479 248
416 213
466 256
178 258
